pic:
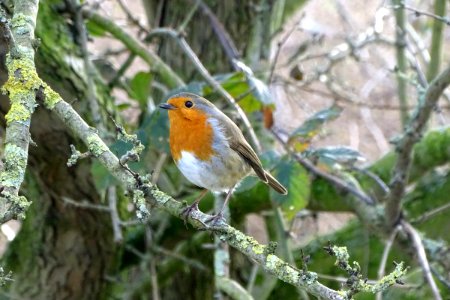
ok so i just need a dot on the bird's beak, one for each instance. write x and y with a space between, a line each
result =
167 106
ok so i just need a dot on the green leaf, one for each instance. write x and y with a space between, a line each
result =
336 155
140 87
154 131
312 125
101 175
295 178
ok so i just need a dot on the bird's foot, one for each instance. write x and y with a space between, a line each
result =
214 220
188 211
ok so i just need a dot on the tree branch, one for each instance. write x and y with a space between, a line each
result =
21 87
263 255
168 76
422 257
413 133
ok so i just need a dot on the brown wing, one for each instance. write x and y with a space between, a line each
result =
249 155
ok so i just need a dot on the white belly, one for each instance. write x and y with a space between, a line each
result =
219 174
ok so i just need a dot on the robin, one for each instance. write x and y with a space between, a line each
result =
210 150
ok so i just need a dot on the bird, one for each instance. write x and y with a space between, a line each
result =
210 150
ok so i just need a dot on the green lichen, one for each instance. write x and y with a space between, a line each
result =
14 166
51 97
5 277
142 212
309 277
159 196
22 22
341 254
258 249
96 146
19 204
21 87
385 282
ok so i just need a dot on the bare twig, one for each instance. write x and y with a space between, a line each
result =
280 46
429 214
233 289
422 257
74 7
135 21
222 35
86 204
404 148
400 45
384 257
418 12
158 167
115 219
221 252
337 182
168 76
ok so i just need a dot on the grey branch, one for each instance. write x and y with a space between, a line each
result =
247 245
412 134
21 88
422 257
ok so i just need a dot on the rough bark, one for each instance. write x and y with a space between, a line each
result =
61 252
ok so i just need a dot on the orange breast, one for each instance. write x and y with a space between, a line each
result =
195 136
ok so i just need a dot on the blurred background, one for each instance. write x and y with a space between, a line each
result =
332 82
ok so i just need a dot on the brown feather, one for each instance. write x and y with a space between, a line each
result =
278 187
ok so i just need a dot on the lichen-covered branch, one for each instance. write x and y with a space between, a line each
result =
21 87
413 133
140 188
263 255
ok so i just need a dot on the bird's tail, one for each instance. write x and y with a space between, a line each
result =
273 183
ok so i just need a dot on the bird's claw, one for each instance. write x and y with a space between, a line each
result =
185 213
215 219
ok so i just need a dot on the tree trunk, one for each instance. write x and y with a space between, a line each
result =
61 252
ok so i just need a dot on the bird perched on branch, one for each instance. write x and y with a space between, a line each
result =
210 150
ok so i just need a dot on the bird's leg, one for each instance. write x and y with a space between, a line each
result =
214 219
193 207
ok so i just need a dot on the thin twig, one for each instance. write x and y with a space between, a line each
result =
158 167
221 251
422 257
115 219
280 46
189 16
418 12
168 76
429 214
384 257
85 204
74 7
337 182
131 17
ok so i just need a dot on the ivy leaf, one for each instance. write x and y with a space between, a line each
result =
295 178
140 87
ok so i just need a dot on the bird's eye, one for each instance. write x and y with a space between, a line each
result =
188 104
